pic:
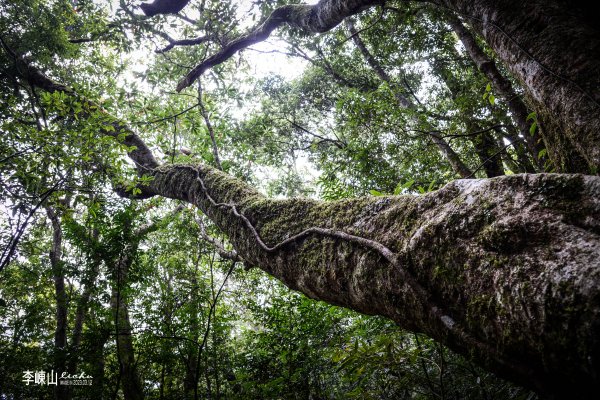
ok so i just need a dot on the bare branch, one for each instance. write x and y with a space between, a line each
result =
183 42
218 245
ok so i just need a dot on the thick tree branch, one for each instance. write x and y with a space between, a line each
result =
183 42
480 248
317 18
163 7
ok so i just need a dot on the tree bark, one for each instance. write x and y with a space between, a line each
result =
555 54
60 334
505 269
502 87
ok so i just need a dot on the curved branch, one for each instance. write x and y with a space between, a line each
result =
209 128
183 42
318 18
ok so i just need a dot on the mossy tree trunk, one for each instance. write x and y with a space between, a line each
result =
505 269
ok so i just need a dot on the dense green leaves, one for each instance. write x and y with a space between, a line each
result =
198 330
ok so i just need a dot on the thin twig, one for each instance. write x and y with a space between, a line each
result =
209 127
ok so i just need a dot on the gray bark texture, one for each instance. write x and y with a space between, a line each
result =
502 87
553 50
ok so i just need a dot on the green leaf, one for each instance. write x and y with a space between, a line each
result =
532 128
375 192
401 187
542 153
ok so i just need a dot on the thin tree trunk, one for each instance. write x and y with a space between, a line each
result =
129 373
502 87
130 380
484 144
96 391
487 151
60 334
209 127
444 148
82 308
190 382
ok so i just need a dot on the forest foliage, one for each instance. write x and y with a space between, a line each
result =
389 104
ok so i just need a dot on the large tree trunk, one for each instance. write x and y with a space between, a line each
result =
555 54
505 269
